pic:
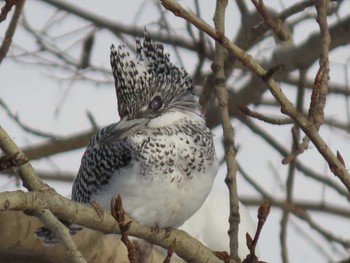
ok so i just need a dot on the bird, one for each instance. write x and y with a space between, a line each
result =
160 157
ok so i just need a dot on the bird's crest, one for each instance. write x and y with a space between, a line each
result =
150 73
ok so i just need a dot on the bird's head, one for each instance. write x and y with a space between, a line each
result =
150 84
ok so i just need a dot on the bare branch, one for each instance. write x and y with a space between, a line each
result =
62 233
118 213
301 214
286 106
86 215
53 146
230 151
118 28
170 252
6 43
331 209
263 213
321 81
302 168
263 117
275 24
33 183
7 8
23 125
30 180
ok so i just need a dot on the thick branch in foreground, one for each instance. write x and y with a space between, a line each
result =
60 231
43 197
30 180
187 247
33 183
20 244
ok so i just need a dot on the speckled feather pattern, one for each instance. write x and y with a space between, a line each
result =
101 161
161 161
152 69
165 163
181 156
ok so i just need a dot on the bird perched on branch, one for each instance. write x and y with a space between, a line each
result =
160 156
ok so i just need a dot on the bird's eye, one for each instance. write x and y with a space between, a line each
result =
156 103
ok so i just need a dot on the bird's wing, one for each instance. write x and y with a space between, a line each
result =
99 162
102 158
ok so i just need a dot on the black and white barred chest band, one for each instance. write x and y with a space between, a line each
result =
169 154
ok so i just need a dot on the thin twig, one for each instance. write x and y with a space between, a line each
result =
322 11
264 118
323 231
301 167
285 214
301 214
333 88
170 252
272 71
86 50
44 175
119 28
316 96
25 127
118 213
52 147
7 8
295 8
254 184
275 24
263 213
6 43
300 148
296 149
315 206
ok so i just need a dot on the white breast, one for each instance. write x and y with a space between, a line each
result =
171 176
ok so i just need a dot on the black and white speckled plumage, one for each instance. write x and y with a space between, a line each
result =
102 161
137 81
160 156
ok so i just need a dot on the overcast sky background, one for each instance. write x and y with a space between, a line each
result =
34 95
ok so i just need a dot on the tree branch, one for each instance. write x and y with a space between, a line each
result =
320 207
33 183
286 106
6 43
230 151
118 28
84 214
62 233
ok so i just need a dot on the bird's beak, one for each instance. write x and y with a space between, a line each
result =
122 129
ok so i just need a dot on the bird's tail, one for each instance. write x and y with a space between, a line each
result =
49 238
